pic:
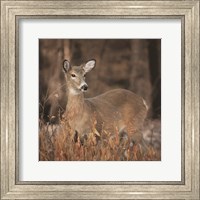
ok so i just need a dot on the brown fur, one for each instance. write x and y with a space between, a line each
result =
116 110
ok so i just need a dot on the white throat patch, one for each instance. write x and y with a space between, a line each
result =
74 92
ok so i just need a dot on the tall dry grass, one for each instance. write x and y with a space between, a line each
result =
58 143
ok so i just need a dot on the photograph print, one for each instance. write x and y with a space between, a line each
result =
99 99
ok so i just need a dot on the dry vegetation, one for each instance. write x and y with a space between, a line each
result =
56 142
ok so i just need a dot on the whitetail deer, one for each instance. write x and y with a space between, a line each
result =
116 110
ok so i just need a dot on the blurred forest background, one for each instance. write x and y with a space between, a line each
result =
133 64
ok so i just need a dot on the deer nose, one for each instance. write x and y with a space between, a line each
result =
84 87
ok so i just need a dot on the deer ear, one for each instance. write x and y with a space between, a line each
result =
66 66
89 65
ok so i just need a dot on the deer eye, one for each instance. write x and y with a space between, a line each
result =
73 75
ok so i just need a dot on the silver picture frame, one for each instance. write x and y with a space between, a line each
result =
12 11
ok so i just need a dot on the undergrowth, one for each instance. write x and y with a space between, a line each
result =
57 143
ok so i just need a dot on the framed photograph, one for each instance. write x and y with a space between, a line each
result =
99 99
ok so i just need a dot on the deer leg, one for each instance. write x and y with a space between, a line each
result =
123 137
83 138
139 140
124 143
137 137
76 136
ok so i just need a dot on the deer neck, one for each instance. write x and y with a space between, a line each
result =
75 104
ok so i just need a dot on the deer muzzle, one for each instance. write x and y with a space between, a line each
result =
84 87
